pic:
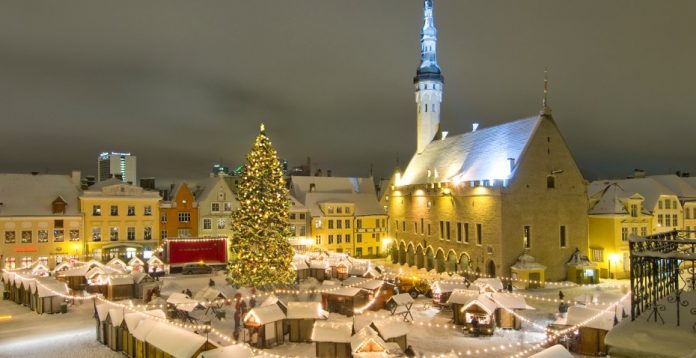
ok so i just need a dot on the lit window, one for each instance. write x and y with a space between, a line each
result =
114 210
131 233
148 210
147 234
207 224
221 223
624 234
26 237
96 210
96 234
227 207
74 235
113 234
58 235
42 236
131 211
184 217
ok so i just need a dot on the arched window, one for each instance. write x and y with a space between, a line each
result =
550 182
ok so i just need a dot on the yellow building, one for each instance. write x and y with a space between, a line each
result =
120 220
40 219
614 216
345 214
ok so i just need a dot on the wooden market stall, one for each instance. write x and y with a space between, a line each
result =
142 282
265 326
478 315
301 317
140 333
339 269
556 351
332 339
581 270
489 284
392 331
507 304
441 290
48 296
318 270
589 339
118 265
457 300
232 351
113 328
136 265
301 270
75 276
102 311
400 305
367 341
344 300
119 287
527 273
168 341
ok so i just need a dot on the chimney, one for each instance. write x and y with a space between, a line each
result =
474 127
76 178
512 163
639 173
328 173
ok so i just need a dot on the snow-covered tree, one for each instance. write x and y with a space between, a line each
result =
261 254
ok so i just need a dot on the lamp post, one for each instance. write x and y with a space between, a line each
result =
207 330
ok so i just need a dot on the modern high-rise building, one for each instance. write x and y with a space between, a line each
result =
116 165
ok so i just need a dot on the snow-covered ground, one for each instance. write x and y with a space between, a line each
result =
73 335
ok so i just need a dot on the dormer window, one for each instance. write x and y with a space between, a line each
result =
58 206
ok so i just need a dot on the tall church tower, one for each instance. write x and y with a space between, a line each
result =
428 82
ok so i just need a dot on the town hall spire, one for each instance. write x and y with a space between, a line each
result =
428 82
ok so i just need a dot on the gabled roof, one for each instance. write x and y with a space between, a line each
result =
306 310
648 188
208 294
511 301
557 351
598 319
143 329
609 201
391 328
484 302
26 194
207 186
480 155
232 351
116 316
336 185
364 204
365 336
678 185
462 296
52 288
176 341
332 331
402 299
493 283
265 314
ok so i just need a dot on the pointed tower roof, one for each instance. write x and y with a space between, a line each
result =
545 109
428 68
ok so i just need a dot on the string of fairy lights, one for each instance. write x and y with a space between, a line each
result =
551 334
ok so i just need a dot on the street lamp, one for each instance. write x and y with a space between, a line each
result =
207 329
615 259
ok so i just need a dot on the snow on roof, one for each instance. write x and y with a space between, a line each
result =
527 262
402 299
143 329
332 331
462 296
448 286
299 265
182 302
116 263
208 294
103 310
154 260
118 280
578 314
27 194
176 341
209 186
318 264
610 200
557 351
132 319
354 281
345 291
51 288
482 301
135 261
273 300
231 351
96 270
678 185
366 336
265 314
480 155
510 301
493 283
364 204
390 328
648 187
306 310
138 277
76 271
116 316
336 185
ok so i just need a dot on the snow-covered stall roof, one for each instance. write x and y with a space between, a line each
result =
306 310
332 331
483 302
103 310
492 284
143 329
96 270
462 296
402 299
176 341
511 301
580 315
318 264
366 336
557 351
50 288
117 263
299 265
480 155
118 280
132 319
231 351
208 294
346 291
138 277
135 261
154 260
182 302
273 300
391 328
61 266
76 271
265 314
116 315
527 262
447 286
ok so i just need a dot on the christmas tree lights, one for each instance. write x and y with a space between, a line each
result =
261 254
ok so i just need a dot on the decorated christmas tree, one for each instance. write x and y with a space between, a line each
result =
261 254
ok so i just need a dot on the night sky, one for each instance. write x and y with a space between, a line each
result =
185 84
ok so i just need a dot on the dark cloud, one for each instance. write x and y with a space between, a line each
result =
185 84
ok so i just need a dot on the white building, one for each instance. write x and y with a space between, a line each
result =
113 164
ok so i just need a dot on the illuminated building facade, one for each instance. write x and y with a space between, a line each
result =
117 165
179 213
637 206
478 200
216 202
344 214
120 220
40 219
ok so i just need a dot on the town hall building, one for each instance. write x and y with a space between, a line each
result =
478 201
